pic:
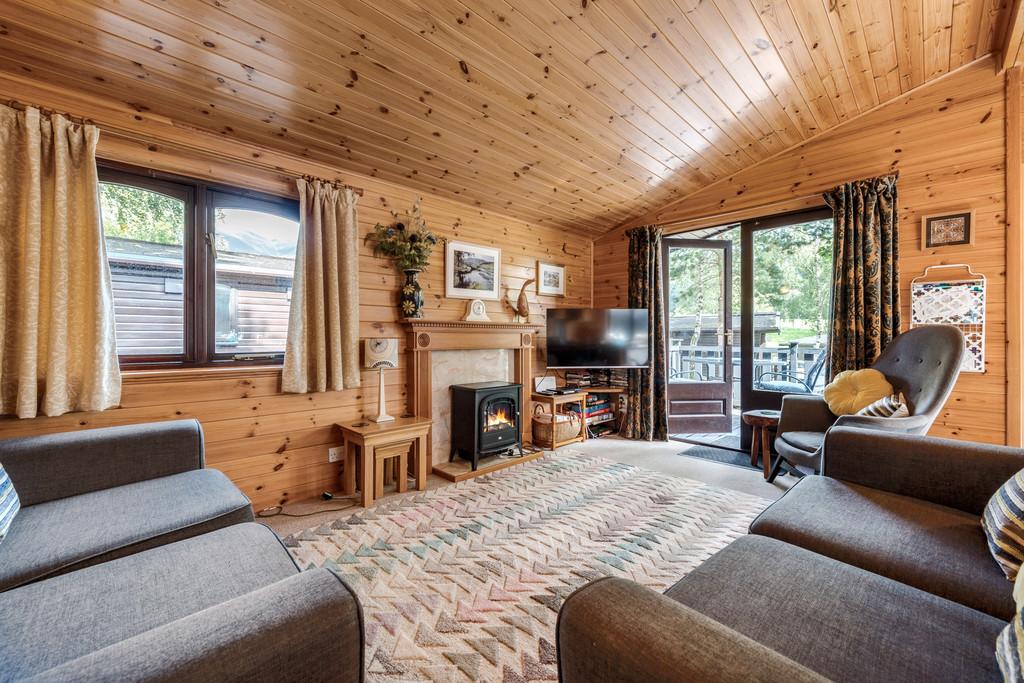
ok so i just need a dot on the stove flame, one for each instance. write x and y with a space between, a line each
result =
497 419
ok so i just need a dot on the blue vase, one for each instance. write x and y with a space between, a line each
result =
411 300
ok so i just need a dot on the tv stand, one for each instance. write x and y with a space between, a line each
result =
611 394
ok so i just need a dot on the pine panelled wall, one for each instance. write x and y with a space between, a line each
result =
947 141
274 445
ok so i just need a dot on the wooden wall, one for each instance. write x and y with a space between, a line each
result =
274 445
947 141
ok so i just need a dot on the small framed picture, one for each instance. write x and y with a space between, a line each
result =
947 230
550 279
471 271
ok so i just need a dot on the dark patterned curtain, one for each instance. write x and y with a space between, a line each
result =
866 272
646 416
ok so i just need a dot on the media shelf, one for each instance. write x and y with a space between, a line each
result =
602 411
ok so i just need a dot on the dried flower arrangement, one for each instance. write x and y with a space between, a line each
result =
407 241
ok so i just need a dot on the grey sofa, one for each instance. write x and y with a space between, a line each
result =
95 495
876 571
131 563
229 605
922 363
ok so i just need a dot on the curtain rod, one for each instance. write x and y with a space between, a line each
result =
356 190
20 106
131 135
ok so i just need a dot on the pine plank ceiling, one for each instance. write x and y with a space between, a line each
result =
574 113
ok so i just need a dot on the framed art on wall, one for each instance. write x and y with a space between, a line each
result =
471 271
939 231
550 279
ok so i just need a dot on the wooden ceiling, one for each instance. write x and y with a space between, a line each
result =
574 113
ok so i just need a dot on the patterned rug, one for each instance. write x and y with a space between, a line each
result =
464 583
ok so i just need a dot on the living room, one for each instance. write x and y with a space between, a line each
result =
657 340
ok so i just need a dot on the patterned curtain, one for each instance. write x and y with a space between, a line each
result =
58 352
866 272
646 415
322 352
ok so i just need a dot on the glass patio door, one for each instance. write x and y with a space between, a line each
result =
698 310
786 302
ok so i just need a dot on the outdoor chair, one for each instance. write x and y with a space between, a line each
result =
788 383
922 364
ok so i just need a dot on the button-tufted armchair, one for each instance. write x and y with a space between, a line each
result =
922 364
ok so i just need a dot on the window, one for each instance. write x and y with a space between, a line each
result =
255 260
201 274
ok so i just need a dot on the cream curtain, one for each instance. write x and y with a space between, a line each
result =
58 352
322 353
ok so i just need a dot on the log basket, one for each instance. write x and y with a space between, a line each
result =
552 428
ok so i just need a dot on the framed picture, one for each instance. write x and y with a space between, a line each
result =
550 279
947 230
471 271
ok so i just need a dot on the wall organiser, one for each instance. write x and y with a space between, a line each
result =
957 301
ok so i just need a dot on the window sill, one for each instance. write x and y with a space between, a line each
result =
138 376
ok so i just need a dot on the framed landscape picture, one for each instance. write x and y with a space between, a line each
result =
947 230
471 271
550 279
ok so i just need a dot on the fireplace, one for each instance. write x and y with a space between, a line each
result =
485 420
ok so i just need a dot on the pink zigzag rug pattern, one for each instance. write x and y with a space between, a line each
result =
464 583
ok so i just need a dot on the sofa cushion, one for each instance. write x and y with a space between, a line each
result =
9 503
1003 522
887 406
68 534
837 620
50 622
805 441
935 548
1009 653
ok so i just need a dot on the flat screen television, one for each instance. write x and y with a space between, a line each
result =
597 338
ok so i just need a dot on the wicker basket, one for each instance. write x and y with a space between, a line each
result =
550 429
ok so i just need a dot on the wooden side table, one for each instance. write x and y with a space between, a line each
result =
553 401
763 422
389 438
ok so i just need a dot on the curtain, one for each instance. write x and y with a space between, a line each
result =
646 415
866 272
322 352
58 351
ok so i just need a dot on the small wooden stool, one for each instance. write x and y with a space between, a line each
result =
763 422
377 442
382 454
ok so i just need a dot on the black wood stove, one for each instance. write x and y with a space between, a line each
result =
485 420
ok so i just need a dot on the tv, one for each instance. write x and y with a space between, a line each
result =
597 338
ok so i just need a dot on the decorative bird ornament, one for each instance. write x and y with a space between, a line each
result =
522 304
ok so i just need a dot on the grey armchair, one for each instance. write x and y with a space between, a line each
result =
98 494
922 364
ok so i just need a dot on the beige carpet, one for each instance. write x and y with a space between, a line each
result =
464 583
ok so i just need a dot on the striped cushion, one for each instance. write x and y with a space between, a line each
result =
1003 522
9 503
1008 644
887 406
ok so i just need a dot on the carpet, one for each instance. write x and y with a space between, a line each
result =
464 582
723 455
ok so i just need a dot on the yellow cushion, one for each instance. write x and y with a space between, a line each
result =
854 389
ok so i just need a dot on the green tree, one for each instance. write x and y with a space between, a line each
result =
138 214
792 275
